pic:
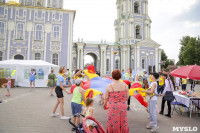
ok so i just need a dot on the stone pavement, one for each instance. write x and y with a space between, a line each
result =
29 112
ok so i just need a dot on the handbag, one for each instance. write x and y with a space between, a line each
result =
169 95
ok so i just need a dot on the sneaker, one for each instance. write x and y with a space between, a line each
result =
128 108
168 115
54 114
161 113
64 117
150 125
153 130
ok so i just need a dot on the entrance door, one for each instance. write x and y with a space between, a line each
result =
19 57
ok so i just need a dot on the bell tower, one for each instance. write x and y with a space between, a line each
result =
133 23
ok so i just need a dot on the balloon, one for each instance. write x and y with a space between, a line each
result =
13 73
131 91
107 78
86 85
90 75
127 82
140 99
72 88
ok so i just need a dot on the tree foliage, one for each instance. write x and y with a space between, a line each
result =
165 59
190 51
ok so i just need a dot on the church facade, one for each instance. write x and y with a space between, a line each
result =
133 47
36 30
43 30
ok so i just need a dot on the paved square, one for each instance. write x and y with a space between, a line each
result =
29 112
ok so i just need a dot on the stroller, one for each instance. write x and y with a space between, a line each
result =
89 125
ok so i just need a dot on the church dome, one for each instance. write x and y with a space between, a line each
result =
13 2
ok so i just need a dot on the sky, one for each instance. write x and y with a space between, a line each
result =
171 20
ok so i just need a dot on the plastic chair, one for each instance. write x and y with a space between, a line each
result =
175 103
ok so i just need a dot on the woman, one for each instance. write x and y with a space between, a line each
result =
177 82
117 94
51 81
168 87
129 76
59 92
32 76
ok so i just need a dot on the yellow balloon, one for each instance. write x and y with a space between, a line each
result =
132 90
95 93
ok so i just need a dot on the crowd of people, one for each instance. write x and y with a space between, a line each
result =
116 96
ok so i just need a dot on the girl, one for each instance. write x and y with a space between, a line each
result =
89 110
8 84
59 92
152 92
32 76
52 81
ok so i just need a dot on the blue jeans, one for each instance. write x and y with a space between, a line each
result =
152 111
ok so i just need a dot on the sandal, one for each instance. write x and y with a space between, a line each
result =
73 128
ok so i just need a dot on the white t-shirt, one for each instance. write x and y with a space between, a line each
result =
155 91
177 81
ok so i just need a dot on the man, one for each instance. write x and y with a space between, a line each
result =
184 84
161 84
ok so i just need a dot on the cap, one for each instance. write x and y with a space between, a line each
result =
78 81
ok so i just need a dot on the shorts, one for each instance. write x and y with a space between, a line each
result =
76 108
8 87
68 78
184 86
32 81
59 92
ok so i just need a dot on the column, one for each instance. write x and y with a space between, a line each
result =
29 43
112 58
101 61
45 46
147 8
144 7
156 59
138 57
149 31
81 56
105 62
128 57
124 59
78 60
8 48
159 61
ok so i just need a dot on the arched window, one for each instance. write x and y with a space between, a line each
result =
136 7
143 63
37 56
55 59
1 56
19 57
117 64
20 31
38 32
107 65
2 30
137 31
56 32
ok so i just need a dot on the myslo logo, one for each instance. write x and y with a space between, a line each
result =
185 129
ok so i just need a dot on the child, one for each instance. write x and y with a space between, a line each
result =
32 79
76 106
89 110
8 84
152 92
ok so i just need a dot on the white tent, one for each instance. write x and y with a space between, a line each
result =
23 69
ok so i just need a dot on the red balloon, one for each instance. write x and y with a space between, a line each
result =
127 82
140 99
72 88
86 85
136 85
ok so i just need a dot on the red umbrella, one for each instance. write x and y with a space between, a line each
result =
191 72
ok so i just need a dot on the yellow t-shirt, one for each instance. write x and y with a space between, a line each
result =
184 81
161 82
150 78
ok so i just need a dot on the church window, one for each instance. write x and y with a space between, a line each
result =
55 59
1 56
143 63
38 32
20 31
37 56
138 34
117 64
56 32
136 7
2 29
107 65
